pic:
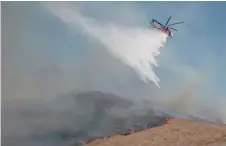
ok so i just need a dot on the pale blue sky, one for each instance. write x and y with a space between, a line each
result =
42 56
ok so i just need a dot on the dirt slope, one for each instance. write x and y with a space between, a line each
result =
178 132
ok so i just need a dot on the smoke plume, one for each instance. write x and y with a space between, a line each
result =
135 46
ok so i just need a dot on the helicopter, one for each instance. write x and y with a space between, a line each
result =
164 28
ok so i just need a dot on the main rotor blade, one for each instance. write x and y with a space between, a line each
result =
168 21
175 23
159 23
173 28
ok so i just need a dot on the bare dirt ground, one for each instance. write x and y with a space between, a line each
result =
177 132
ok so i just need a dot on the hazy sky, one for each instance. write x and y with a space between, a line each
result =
42 57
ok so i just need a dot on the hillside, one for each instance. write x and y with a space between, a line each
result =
178 132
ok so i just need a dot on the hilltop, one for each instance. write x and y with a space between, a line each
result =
176 132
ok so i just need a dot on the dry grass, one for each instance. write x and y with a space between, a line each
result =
178 132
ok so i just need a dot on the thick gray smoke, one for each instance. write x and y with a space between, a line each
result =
71 119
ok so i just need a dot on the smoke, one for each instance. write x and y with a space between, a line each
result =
135 46
71 118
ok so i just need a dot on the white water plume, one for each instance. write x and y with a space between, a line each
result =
136 47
